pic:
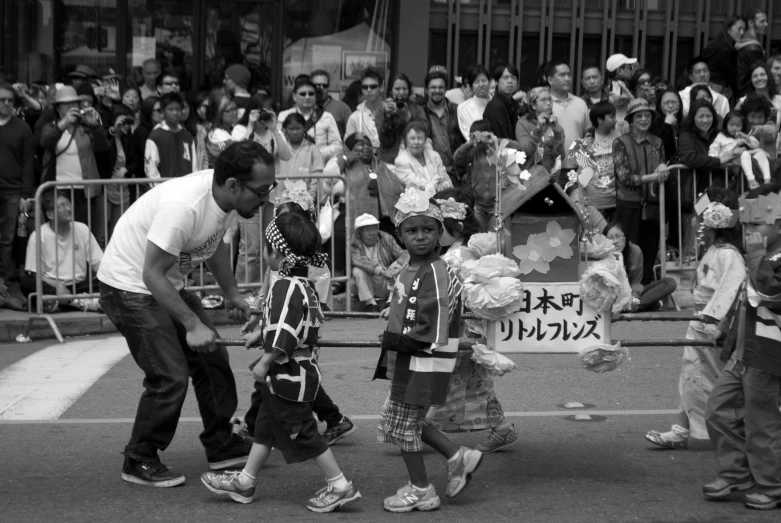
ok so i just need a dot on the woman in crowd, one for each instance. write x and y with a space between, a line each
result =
761 84
318 124
418 165
224 114
701 92
667 121
393 116
641 86
149 116
362 119
644 297
638 161
538 133
70 145
123 162
472 110
202 127
132 100
774 63
722 57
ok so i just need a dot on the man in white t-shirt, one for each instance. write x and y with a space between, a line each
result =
70 256
159 240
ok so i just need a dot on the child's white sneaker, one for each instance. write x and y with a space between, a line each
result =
409 498
328 499
459 471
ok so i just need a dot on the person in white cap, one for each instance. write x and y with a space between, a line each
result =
619 71
377 259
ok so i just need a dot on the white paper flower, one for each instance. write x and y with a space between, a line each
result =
483 243
413 200
489 267
296 191
525 175
717 216
603 358
598 246
495 363
604 286
491 287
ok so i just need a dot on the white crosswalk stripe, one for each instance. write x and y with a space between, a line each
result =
44 385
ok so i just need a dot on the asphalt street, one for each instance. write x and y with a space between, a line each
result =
62 430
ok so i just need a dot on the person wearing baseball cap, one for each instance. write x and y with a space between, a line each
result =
377 260
619 71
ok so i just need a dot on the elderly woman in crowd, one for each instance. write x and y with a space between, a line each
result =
473 109
417 164
70 143
538 133
319 124
638 160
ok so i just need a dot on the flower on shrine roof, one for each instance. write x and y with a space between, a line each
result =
555 242
531 257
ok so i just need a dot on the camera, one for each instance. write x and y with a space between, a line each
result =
399 103
266 115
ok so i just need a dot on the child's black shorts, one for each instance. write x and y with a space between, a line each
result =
279 419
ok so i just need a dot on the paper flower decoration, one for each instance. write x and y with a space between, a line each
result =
452 209
496 364
525 175
598 246
456 257
603 358
298 193
717 216
604 286
491 287
580 150
413 200
531 256
483 243
555 242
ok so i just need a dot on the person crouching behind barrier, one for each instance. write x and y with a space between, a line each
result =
418 355
289 334
743 419
377 260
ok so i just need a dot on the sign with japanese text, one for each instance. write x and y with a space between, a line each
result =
553 319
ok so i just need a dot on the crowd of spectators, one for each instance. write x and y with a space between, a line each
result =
92 126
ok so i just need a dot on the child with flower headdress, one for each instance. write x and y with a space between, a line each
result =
418 355
471 403
720 275
743 418
289 334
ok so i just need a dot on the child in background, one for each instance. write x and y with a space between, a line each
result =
289 334
418 356
720 275
601 190
471 403
473 169
733 138
743 419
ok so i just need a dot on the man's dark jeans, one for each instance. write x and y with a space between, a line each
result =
158 345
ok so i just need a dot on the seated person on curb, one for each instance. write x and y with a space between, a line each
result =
67 249
646 298
377 260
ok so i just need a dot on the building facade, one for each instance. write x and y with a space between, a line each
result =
278 39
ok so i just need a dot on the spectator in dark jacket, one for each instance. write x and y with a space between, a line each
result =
122 162
393 116
442 120
722 56
502 111
750 50
667 121
149 116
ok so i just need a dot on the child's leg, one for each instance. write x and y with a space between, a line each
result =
439 442
416 468
748 171
258 456
763 429
333 474
760 157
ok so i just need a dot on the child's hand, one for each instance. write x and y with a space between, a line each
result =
254 339
259 372
251 325
385 313
755 242
753 184
716 336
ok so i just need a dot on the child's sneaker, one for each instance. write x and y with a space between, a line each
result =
459 472
341 431
760 501
721 488
498 439
676 438
409 498
328 499
227 484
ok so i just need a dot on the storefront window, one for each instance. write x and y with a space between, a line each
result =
28 41
88 34
341 36
163 30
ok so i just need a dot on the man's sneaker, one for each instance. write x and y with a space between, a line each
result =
328 499
459 472
496 440
722 488
227 484
152 474
341 431
233 453
760 501
409 498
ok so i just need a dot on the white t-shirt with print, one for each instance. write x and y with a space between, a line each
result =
181 217
64 257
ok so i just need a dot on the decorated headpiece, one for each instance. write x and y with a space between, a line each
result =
414 202
298 193
452 209
719 216
292 260
765 208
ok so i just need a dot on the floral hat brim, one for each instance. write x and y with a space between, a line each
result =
414 202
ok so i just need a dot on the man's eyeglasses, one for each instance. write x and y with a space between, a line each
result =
322 86
370 87
8 101
259 193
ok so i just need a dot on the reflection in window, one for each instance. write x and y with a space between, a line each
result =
88 34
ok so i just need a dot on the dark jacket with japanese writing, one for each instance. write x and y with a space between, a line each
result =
632 160
762 346
293 319
421 325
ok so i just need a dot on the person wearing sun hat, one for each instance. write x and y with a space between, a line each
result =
619 71
377 260
81 74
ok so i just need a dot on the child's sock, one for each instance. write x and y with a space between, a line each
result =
339 482
246 479
455 457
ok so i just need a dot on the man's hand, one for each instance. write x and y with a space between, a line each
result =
254 339
201 338
238 309
755 242
671 119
